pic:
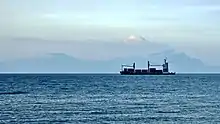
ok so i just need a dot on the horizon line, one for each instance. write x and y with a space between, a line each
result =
98 73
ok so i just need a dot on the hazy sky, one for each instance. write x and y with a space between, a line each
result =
69 19
196 21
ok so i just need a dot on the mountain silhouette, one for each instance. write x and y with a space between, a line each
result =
60 62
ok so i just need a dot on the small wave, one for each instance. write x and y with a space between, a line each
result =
97 112
168 112
13 93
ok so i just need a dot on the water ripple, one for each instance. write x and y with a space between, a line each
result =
109 99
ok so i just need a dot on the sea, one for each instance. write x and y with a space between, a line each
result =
109 99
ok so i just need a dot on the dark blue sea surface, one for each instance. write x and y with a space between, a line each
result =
93 99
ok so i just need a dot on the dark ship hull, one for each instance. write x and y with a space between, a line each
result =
145 73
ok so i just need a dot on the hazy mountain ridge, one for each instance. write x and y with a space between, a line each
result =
77 56
60 62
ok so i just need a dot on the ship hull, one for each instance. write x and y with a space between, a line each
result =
146 73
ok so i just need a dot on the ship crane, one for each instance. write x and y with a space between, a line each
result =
165 65
124 65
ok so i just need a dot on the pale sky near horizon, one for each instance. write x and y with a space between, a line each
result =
172 21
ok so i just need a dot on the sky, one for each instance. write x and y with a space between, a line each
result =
186 25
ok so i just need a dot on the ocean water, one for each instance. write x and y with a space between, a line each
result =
106 99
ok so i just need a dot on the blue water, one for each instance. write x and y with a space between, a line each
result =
109 99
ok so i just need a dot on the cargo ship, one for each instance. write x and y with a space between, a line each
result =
131 70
